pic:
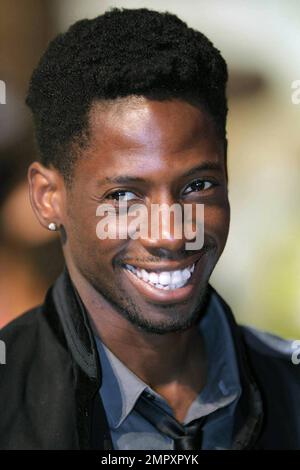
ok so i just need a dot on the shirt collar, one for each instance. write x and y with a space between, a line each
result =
223 382
120 388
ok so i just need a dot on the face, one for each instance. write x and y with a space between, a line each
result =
148 152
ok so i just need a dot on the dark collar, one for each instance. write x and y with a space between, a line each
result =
76 325
81 342
249 415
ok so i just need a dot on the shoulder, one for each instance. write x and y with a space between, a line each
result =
21 332
35 380
274 360
275 366
34 336
270 345
262 344
20 341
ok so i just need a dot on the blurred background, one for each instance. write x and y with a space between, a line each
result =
259 272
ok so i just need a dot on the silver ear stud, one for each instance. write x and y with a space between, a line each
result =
52 226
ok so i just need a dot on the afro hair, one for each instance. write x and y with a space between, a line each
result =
120 53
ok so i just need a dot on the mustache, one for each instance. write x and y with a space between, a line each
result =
167 255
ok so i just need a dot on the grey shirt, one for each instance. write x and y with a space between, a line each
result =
121 389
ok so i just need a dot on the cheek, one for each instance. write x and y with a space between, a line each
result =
85 247
216 222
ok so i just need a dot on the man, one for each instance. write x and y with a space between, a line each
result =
133 348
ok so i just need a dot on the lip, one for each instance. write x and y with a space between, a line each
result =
161 296
170 266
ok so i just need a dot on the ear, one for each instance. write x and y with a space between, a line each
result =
46 190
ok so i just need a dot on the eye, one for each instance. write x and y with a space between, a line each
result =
122 195
199 185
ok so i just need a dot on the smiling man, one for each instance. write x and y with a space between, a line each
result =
133 348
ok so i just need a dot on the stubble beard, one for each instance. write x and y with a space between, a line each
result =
174 320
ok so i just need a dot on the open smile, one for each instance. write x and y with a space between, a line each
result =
169 286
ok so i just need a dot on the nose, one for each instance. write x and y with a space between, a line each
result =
165 234
163 244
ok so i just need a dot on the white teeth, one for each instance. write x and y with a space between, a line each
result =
176 277
186 274
145 275
153 277
167 280
176 286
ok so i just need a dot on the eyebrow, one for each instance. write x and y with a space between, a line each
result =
212 166
125 179
121 179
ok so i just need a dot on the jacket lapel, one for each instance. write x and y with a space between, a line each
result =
249 412
93 430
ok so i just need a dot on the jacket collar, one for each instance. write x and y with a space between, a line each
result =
249 415
81 343
75 322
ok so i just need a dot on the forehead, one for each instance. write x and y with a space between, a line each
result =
138 122
138 133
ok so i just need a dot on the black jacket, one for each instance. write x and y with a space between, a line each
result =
49 386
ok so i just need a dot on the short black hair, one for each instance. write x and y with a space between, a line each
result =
120 53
